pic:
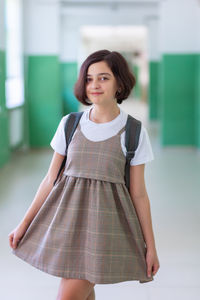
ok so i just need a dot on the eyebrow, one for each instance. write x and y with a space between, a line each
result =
100 74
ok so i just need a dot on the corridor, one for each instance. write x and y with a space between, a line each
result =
172 182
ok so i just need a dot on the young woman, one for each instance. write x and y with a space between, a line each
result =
88 228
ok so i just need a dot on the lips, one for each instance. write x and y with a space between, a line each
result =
96 93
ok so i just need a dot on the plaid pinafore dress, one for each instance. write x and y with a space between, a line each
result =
88 228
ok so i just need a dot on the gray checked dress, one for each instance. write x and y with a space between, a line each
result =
87 227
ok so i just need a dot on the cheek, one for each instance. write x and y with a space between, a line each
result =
86 88
112 89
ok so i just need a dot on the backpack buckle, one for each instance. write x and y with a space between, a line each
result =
130 154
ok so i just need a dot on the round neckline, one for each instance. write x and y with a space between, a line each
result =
102 141
104 123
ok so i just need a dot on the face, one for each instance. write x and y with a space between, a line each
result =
101 84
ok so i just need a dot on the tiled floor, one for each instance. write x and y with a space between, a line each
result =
172 182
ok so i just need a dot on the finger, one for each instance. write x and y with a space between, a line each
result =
15 242
10 237
14 245
155 269
10 240
149 272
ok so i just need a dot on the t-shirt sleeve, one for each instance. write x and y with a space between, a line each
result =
143 153
58 142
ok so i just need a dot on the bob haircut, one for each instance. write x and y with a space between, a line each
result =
119 67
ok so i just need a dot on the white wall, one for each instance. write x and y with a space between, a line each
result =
2 25
41 27
153 38
74 18
180 24
53 27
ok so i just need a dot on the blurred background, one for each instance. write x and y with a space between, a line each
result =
42 45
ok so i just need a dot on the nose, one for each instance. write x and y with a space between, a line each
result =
95 83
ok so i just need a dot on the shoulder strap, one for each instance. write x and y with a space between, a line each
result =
132 134
70 126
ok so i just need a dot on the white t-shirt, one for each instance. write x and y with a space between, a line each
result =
102 131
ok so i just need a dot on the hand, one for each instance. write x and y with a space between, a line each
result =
152 262
16 235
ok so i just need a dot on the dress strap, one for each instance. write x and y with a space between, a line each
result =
121 130
78 126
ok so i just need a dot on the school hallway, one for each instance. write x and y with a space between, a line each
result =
172 181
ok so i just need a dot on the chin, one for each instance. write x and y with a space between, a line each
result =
96 100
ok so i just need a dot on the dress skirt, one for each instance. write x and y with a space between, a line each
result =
86 229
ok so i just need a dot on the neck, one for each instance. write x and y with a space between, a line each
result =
103 114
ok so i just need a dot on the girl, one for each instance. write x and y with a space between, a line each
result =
88 228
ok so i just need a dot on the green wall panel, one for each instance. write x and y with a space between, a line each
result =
160 89
69 77
197 125
2 78
44 98
4 130
178 99
26 112
136 92
153 90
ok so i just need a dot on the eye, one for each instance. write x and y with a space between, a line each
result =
105 78
88 79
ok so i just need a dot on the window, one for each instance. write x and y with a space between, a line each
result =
14 54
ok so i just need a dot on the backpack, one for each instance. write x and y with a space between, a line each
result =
132 134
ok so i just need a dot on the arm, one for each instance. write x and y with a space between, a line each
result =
44 189
142 206
41 194
141 202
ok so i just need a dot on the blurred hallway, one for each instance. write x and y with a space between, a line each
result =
42 47
172 182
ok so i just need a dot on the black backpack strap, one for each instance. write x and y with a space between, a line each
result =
70 126
132 134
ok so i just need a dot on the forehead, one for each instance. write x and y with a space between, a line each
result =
99 67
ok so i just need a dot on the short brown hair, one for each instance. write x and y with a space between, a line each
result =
118 65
